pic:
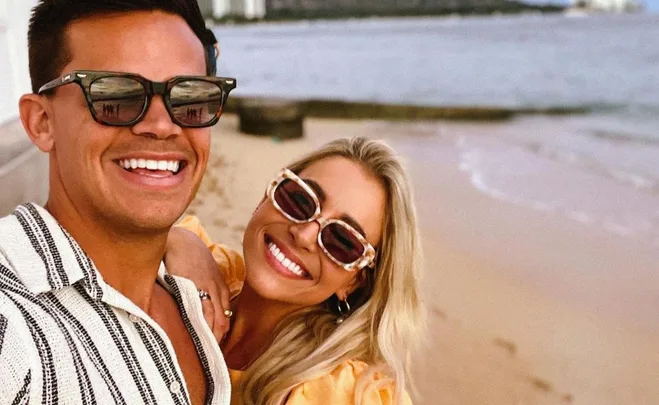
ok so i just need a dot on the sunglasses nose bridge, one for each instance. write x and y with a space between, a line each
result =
164 119
321 221
158 88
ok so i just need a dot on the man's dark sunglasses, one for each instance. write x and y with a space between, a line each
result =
122 99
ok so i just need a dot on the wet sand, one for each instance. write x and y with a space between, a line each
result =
525 306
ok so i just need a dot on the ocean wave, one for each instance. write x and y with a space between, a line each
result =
628 177
509 173
625 137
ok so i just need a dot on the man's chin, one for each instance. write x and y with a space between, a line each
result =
151 219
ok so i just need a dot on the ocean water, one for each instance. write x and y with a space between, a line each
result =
601 169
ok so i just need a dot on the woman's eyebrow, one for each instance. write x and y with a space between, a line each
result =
352 222
317 189
322 197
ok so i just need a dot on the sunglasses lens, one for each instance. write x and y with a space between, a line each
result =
117 100
294 200
341 243
196 102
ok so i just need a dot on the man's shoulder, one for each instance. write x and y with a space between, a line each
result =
9 231
9 222
41 253
16 352
12 235
14 332
8 276
16 301
10 279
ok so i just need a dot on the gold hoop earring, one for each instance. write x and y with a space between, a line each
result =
344 311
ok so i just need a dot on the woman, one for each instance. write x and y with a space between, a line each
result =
329 309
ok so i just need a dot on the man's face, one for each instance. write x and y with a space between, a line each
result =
86 159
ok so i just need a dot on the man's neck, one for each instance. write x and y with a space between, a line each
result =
128 261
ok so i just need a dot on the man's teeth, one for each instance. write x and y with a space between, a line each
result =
162 165
289 264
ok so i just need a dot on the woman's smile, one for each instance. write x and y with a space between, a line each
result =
282 259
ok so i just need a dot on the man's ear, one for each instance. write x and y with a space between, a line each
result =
36 121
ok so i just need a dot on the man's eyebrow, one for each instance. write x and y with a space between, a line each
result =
322 197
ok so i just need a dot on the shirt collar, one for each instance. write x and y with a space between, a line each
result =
43 255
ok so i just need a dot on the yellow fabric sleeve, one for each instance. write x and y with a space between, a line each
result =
230 262
338 388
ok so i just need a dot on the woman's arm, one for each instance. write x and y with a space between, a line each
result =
188 256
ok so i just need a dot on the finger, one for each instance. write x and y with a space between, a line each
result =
209 312
225 296
220 328
220 324
224 321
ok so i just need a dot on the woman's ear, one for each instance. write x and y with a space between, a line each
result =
355 283
35 117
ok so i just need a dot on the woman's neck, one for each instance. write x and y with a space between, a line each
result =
252 328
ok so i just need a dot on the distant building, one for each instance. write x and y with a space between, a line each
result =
258 9
618 6
250 9
302 8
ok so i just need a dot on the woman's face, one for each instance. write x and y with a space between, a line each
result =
351 194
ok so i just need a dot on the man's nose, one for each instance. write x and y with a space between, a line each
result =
157 122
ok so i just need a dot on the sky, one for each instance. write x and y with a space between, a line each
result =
652 5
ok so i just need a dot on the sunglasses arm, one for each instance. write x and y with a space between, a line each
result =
66 79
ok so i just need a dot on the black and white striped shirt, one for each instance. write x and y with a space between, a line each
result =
67 337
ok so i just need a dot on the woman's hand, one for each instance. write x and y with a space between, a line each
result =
187 256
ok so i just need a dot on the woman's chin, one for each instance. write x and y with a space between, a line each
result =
272 287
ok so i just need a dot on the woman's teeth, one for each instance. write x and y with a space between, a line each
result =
161 165
285 261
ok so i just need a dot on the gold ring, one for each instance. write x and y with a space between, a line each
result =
228 313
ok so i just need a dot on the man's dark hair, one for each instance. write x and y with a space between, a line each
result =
49 53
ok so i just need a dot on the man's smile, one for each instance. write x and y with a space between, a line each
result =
150 166
154 170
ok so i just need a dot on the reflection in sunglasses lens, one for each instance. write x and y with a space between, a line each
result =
117 100
295 200
341 243
196 102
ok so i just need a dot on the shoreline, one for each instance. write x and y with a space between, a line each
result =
566 12
514 8
361 110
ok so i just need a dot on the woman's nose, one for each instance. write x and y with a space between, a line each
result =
305 235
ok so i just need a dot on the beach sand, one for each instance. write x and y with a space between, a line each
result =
524 306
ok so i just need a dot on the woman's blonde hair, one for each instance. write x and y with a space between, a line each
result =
387 316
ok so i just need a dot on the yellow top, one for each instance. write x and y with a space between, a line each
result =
335 388
229 261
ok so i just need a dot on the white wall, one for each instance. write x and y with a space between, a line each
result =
14 75
254 8
610 5
250 8
221 8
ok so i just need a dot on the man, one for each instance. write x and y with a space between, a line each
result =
123 108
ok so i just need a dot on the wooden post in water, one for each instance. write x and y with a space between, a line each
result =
279 118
